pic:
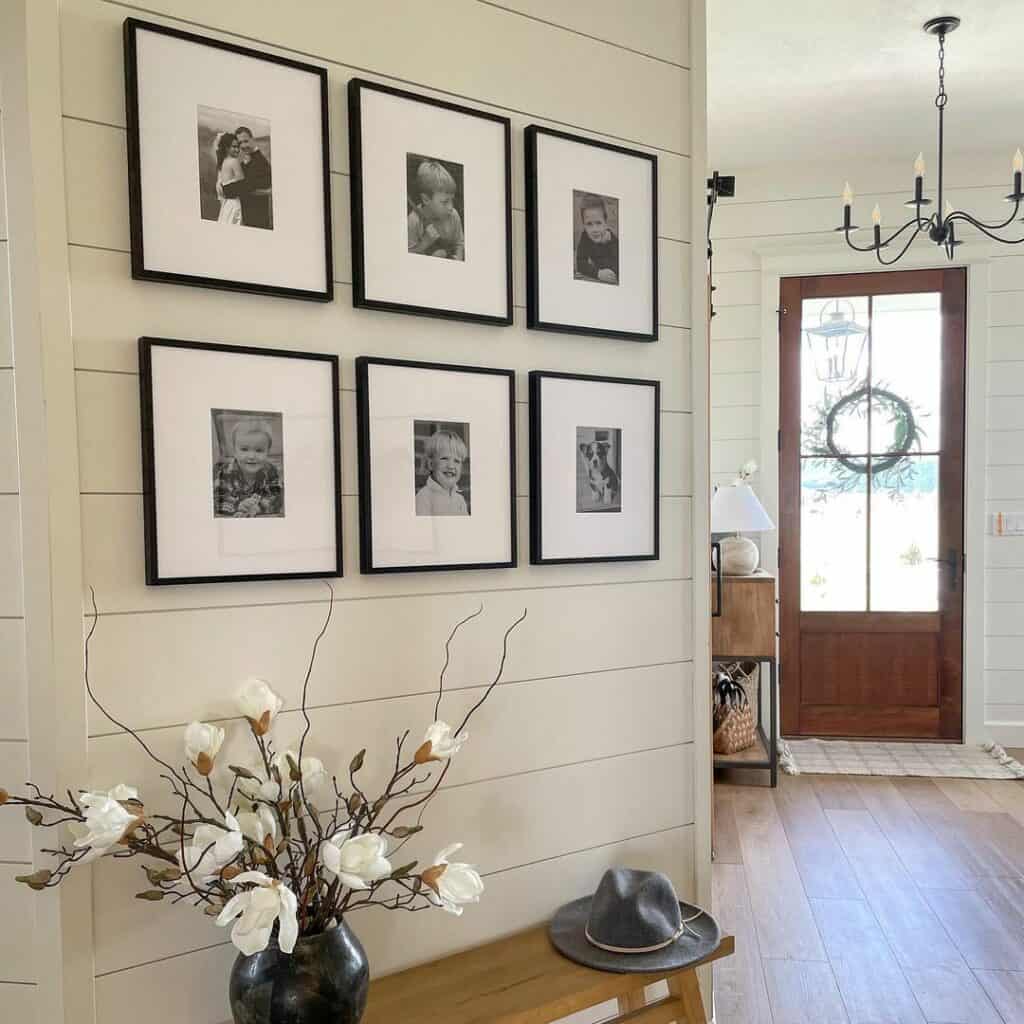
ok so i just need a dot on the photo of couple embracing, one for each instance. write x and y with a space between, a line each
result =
235 185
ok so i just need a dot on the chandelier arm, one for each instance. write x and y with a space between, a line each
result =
853 245
985 229
900 254
963 215
896 234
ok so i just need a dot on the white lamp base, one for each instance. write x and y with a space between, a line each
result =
740 556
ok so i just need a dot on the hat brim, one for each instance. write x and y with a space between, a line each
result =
568 935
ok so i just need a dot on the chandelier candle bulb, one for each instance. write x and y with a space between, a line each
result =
919 166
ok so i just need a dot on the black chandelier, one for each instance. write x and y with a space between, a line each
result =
941 225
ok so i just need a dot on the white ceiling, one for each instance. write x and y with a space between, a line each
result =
837 80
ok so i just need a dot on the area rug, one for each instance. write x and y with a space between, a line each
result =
931 760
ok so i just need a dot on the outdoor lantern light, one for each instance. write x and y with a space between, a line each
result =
837 343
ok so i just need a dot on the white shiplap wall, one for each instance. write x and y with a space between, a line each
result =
17 971
784 209
598 705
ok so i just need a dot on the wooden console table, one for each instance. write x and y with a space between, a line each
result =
524 980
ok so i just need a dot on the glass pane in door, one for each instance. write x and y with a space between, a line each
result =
905 536
833 537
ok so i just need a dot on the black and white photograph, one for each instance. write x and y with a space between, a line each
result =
443 476
248 463
235 179
241 462
601 277
437 468
437 212
431 188
594 468
596 237
228 170
599 469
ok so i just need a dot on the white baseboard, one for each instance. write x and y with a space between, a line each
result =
1006 734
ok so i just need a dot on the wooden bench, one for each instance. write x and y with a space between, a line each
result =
523 980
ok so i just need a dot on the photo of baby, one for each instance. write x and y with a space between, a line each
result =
235 186
596 237
435 207
248 464
599 469
441 459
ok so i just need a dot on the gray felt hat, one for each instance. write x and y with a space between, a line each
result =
634 923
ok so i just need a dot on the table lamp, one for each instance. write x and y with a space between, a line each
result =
735 508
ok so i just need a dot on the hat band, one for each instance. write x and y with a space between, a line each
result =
633 949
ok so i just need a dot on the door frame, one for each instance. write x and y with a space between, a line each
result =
817 261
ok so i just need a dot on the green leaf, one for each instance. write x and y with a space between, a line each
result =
357 761
404 870
37 880
151 895
242 773
404 831
33 816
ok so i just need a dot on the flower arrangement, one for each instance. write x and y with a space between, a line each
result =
282 845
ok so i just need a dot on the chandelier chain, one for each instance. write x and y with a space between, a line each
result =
941 99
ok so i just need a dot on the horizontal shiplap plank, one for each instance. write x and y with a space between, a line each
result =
729 456
6 350
1005 447
1006 273
504 823
741 356
734 256
729 422
1004 652
1004 686
1006 309
738 288
1005 413
735 389
657 27
18 1002
650 104
204 653
17 948
8 432
1007 378
1005 714
112 312
1005 619
13 690
733 322
1005 483
1004 553
1006 343
15 838
1004 584
191 985
11 603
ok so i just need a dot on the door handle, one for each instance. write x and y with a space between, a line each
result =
952 562
716 565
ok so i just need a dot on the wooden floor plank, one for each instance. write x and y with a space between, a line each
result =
1008 794
837 792
740 993
870 980
1006 990
727 839
910 925
785 925
803 993
1006 897
824 869
932 862
951 995
977 930
968 795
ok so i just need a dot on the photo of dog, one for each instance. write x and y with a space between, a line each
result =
599 469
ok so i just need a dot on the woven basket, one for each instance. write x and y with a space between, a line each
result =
734 723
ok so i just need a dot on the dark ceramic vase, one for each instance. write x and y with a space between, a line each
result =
324 981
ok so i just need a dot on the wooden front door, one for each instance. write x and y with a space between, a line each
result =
871 472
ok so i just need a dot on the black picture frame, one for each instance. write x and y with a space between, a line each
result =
533 282
360 299
140 272
537 556
366 565
149 496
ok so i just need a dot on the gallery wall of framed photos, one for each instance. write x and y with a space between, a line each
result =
608 655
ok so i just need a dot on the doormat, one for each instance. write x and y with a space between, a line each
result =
931 760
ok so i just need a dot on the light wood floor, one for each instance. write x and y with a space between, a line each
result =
871 901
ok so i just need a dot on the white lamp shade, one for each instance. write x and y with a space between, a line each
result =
735 509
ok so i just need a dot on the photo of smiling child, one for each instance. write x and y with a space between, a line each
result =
436 212
442 468
596 220
248 464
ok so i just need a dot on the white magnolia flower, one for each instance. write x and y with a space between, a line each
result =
357 861
257 909
107 820
258 824
258 788
439 743
202 744
747 470
258 702
453 885
211 849
314 774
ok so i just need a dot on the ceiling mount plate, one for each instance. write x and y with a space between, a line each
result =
942 26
